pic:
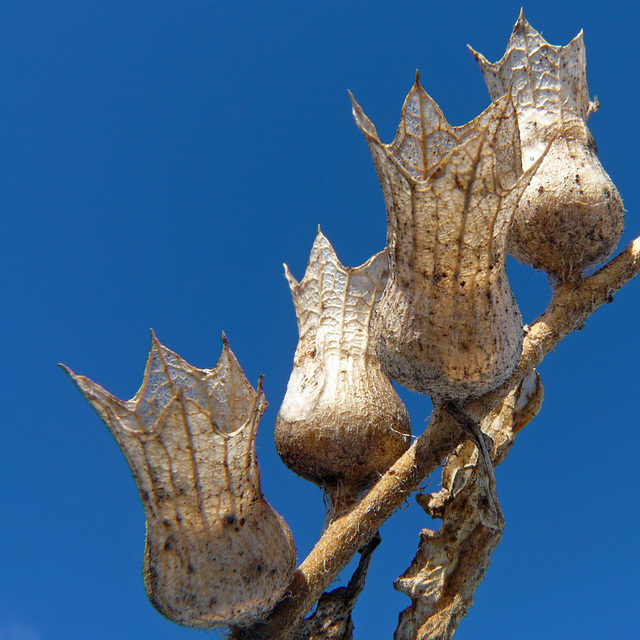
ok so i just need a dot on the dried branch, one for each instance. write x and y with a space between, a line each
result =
332 618
451 563
569 308
345 535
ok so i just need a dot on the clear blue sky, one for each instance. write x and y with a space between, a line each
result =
160 161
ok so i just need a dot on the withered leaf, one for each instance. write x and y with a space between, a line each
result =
451 563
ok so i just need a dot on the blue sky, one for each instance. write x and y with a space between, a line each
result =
160 161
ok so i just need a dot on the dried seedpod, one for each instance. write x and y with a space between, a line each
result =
447 323
341 424
571 216
216 551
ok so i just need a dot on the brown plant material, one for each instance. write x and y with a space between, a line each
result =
216 552
571 216
451 562
332 618
447 323
341 424
571 305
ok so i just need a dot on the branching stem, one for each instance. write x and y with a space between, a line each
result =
570 306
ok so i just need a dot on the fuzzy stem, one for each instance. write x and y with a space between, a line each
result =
570 306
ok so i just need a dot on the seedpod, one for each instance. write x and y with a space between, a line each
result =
447 323
341 424
571 215
216 552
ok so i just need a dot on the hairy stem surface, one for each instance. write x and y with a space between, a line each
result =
569 308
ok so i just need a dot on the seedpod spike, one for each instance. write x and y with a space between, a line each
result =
216 551
341 424
571 215
447 323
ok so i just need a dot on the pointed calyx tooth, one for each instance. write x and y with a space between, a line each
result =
571 215
216 551
341 424
424 137
447 323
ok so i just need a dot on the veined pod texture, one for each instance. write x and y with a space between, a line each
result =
341 424
571 216
216 551
447 323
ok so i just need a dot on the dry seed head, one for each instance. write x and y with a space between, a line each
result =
216 551
571 216
341 424
447 323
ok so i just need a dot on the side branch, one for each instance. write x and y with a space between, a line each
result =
568 310
451 562
345 535
570 306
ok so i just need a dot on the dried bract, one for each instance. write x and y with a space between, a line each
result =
571 215
341 424
447 323
216 552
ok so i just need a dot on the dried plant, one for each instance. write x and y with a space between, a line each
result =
216 552
435 312
341 424
447 323
571 216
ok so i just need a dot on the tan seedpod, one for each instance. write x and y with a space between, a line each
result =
216 551
447 323
571 216
341 424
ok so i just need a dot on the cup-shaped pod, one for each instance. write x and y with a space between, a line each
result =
447 323
216 551
341 424
571 215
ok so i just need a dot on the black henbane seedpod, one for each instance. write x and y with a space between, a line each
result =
341 424
447 323
571 216
216 551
